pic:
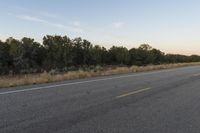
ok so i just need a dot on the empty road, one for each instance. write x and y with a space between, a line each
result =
164 101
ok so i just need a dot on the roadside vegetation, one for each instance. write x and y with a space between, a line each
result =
58 58
45 77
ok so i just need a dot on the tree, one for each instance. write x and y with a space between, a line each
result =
32 53
145 47
4 58
133 57
78 53
15 53
119 55
58 52
87 55
62 53
157 56
143 55
97 55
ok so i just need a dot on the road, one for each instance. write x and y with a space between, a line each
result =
164 101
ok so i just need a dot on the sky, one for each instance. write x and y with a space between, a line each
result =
172 26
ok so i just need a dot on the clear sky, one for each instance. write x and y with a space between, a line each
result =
170 25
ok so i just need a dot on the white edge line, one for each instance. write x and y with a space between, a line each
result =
81 82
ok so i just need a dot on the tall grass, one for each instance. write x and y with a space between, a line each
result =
28 79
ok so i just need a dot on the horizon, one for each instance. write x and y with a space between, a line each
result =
171 26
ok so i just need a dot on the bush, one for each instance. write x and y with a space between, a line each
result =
61 54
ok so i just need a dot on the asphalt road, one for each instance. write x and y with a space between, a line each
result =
164 101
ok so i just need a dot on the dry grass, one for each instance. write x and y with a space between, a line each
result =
9 81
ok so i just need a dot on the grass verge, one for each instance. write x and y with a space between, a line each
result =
28 79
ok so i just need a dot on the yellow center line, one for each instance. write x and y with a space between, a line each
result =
133 92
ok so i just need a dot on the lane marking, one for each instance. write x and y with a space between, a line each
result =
88 81
133 92
195 75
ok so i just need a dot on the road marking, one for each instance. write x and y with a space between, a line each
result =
88 81
195 75
133 92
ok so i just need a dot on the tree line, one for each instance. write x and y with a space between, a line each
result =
62 53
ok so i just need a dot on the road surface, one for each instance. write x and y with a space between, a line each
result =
164 101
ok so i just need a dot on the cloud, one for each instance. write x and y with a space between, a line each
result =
53 24
31 18
49 15
46 14
76 23
117 25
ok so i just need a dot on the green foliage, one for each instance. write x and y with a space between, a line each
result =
58 52
118 55
62 53
4 58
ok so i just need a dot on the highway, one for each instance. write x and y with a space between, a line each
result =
163 101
